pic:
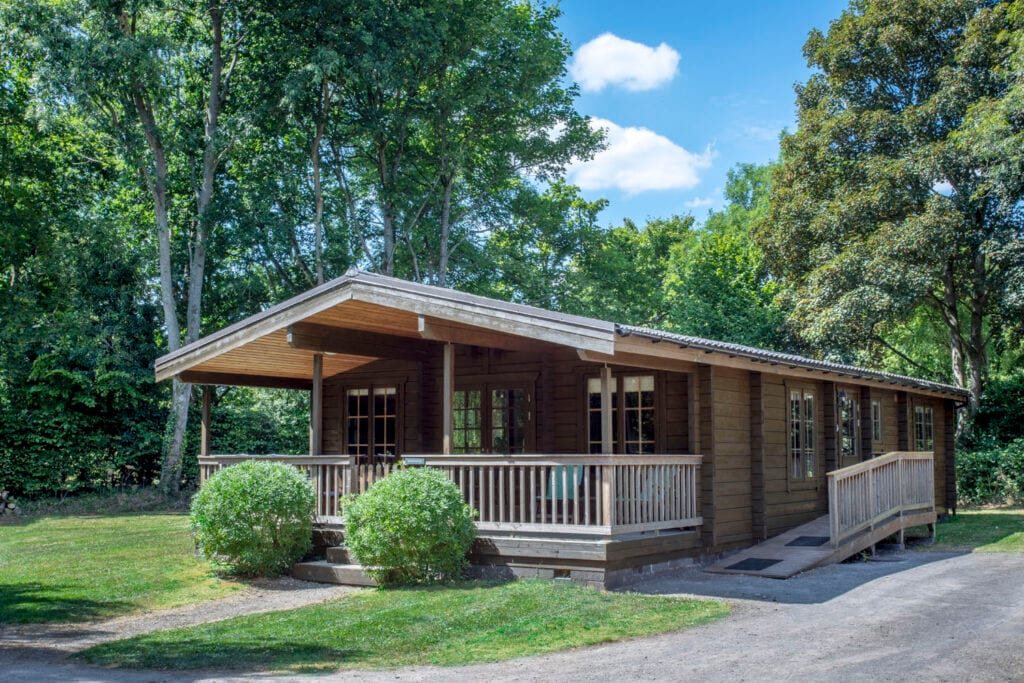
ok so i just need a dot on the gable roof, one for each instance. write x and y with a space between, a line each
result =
258 350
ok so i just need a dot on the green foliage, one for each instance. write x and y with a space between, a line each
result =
411 527
255 517
991 475
78 407
880 204
1000 417
718 286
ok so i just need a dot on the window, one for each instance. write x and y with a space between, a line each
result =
849 418
802 435
491 420
924 437
876 420
375 407
633 427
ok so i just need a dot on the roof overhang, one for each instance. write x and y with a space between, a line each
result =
361 317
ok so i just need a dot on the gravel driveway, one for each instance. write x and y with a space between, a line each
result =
917 616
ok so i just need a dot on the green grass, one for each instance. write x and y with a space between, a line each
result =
73 569
983 531
473 622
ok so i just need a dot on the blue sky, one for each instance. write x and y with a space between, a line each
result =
681 115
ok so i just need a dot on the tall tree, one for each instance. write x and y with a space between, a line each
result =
718 285
153 77
876 209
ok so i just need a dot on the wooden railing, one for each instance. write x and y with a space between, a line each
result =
863 495
598 494
594 494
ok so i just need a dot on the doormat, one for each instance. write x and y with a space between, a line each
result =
753 564
809 541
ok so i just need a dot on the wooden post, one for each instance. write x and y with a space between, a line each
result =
204 436
902 428
830 426
447 398
758 514
607 445
316 406
866 425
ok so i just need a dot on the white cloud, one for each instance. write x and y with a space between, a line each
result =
943 187
699 202
639 160
610 60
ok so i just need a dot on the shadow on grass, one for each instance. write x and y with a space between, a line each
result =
227 654
36 603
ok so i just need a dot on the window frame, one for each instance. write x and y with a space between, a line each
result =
496 383
817 452
877 429
370 417
619 377
927 429
852 422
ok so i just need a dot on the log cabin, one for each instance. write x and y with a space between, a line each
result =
591 450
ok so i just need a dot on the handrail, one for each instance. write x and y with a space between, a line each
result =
552 459
566 493
862 495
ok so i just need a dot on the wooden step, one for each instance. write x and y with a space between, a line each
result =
322 571
339 554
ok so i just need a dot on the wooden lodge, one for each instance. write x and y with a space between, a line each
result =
591 450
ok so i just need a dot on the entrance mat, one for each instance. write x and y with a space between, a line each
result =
753 564
809 541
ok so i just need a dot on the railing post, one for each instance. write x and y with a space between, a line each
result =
608 495
833 510
902 501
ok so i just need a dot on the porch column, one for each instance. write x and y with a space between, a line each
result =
204 434
447 396
607 445
316 406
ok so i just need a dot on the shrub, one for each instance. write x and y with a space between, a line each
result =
991 475
255 517
411 527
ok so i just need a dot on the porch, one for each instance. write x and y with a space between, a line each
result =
579 494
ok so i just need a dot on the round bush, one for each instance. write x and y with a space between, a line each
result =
411 527
255 517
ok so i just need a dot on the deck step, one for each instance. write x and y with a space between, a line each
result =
339 554
323 571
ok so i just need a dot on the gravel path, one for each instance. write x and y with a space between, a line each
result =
918 617
258 596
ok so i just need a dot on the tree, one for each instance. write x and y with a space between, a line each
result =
620 276
153 78
78 408
877 207
718 286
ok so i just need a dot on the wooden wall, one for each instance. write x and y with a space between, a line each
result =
557 381
733 518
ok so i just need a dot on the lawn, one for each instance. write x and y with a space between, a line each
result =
73 568
473 622
997 530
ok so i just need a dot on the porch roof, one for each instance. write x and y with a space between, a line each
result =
361 317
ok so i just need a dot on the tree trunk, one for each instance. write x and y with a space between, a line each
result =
446 212
318 194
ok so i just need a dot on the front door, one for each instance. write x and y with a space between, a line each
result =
848 426
493 419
